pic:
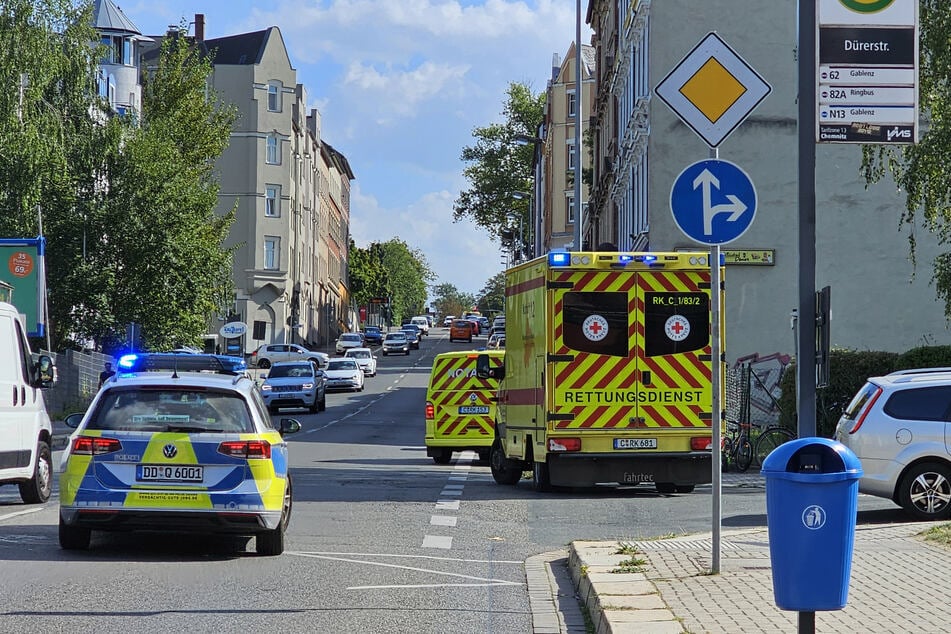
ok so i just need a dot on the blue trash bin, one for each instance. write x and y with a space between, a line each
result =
812 487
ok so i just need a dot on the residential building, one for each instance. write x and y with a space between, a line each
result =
118 80
880 299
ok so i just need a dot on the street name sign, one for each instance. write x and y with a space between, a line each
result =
712 90
867 71
713 201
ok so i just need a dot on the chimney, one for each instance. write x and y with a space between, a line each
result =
199 27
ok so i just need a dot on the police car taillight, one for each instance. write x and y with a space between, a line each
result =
430 411
95 446
250 449
564 444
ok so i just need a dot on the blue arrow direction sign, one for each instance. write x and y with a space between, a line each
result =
713 201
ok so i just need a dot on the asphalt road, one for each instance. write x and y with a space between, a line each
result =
381 539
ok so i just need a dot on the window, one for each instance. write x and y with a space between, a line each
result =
570 207
571 157
930 403
272 158
572 101
272 201
274 97
272 253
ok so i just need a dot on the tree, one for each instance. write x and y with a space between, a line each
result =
492 295
923 171
366 273
497 166
154 253
407 278
448 300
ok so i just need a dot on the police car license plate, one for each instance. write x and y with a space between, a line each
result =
635 443
474 409
169 473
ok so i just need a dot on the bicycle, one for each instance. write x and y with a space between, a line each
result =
770 437
737 447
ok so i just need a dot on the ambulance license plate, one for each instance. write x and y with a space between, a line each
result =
635 443
169 473
474 409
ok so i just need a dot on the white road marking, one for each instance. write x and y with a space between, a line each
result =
447 505
451 492
458 487
437 541
329 555
10 516
442 520
459 477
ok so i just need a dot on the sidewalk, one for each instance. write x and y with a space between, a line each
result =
899 583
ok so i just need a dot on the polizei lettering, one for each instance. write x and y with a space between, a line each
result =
625 397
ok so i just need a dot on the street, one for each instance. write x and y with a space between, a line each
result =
381 539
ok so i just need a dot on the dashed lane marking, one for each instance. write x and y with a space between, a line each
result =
442 520
437 541
447 505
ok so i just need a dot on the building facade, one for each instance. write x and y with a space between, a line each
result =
880 299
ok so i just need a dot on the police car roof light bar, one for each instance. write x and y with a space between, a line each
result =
219 363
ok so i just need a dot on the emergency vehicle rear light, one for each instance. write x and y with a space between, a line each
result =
559 258
250 449
698 260
580 259
95 446
564 444
868 408
625 258
701 443
430 411
647 258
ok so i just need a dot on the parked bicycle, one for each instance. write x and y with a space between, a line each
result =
769 438
737 446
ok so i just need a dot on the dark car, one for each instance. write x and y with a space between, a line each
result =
373 335
413 334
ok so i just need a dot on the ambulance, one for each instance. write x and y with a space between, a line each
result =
607 373
460 407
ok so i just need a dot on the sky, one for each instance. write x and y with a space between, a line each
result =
400 85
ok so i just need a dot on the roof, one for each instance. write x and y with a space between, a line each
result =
106 16
241 49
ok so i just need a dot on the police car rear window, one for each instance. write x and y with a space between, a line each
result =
172 410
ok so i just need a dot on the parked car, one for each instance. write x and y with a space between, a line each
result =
447 320
413 334
295 384
395 342
496 341
344 374
461 329
270 353
899 427
373 335
177 443
348 340
364 358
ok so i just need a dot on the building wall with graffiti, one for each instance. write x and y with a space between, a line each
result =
753 388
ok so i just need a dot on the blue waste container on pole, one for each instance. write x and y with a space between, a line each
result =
811 503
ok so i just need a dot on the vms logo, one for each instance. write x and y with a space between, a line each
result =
866 6
897 133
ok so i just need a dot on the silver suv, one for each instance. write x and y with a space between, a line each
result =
899 426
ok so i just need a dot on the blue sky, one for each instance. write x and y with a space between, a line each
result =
400 85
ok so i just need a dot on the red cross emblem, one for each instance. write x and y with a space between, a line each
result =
595 328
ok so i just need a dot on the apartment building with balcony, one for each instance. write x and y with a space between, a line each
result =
118 79
880 299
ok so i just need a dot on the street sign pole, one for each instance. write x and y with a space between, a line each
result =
715 421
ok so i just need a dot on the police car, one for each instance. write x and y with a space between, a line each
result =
178 443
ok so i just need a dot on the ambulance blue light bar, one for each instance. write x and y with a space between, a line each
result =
559 258
219 363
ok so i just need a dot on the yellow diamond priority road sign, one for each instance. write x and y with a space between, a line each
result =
712 90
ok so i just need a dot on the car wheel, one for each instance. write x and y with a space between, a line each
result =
666 488
925 491
469 340
38 488
315 407
73 537
271 543
322 403
443 457
541 477
683 488
264 364
504 471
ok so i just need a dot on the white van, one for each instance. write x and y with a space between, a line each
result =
422 322
25 429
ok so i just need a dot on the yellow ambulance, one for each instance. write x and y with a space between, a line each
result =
460 407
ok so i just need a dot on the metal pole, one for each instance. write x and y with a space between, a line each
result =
806 351
579 221
716 404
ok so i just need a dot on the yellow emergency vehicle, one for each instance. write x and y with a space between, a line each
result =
607 374
460 407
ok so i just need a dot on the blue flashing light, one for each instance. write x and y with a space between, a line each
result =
219 363
650 258
624 258
128 362
559 258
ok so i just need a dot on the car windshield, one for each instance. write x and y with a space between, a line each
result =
350 337
167 409
394 336
371 329
342 364
296 370
359 354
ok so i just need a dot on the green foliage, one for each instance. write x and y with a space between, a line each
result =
923 170
848 372
366 273
407 278
492 296
448 300
497 166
